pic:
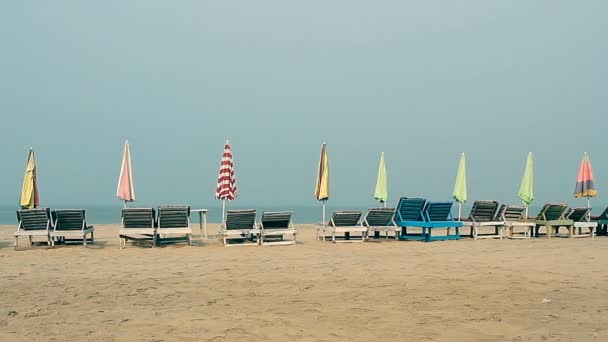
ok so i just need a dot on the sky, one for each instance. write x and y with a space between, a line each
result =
422 81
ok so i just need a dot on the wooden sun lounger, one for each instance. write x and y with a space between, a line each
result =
434 215
240 225
138 224
580 218
275 226
378 220
513 217
602 222
551 216
71 223
342 222
33 222
484 214
173 220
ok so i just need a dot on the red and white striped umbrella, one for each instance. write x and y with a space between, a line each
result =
226 181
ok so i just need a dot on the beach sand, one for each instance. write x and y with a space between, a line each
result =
487 290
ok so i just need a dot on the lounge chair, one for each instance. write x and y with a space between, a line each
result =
602 222
138 224
417 212
71 223
342 222
484 214
173 220
551 216
513 216
275 226
580 218
33 222
381 220
239 224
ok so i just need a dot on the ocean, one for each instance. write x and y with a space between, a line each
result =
301 214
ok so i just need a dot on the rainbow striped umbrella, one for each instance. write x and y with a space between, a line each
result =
226 181
584 181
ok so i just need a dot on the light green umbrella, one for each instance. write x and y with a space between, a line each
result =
526 189
460 188
381 192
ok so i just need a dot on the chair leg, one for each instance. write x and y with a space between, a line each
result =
16 241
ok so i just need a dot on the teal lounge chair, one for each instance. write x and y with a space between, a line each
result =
417 212
342 222
240 225
602 222
484 214
276 228
552 216
71 223
379 220
138 224
513 217
33 222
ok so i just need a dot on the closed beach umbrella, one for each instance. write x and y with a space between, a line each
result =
125 190
460 187
29 192
322 187
381 191
584 181
226 181
526 188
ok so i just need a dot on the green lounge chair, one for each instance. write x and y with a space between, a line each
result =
240 225
275 227
33 222
602 222
513 216
138 224
71 223
379 220
173 220
342 222
551 216
581 221
484 214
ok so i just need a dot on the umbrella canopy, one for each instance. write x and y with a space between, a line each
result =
381 192
460 187
584 181
29 192
526 188
226 181
322 187
125 190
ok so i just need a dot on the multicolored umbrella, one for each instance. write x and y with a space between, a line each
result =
126 190
584 181
381 191
526 188
29 192
322 186
460 187
226 181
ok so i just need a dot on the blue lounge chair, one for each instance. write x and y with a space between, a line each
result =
417 212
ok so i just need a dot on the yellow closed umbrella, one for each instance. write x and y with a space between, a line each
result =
322 186
29 192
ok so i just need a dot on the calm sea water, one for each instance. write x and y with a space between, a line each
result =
301 214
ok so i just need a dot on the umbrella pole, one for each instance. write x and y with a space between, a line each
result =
323 212
526 212
223 210
459 210
384 203
589 214
125 203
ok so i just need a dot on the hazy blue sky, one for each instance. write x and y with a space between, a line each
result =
422 81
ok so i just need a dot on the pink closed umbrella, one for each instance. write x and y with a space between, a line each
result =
125 190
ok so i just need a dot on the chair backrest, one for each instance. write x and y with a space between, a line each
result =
138 217
603 215
511 212
379 217
34 219
346 218
276 219
438 211
240 219
410 209
552 211
175 216
483 211
69 219
578 214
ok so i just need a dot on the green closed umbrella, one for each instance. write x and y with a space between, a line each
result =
526 189
460 188
381 192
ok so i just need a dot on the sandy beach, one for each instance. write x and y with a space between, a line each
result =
490 290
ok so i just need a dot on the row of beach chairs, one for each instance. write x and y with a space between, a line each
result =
418 219
52 226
